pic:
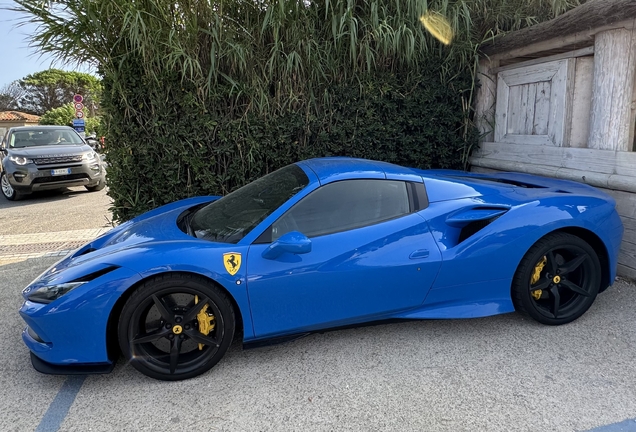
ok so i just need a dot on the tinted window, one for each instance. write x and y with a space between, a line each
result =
229 219
343 206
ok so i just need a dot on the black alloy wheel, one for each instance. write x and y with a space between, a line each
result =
176 327
557 280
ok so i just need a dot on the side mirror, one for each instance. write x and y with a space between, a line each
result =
293 242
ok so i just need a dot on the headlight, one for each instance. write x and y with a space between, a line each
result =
47 294
20 160
89 156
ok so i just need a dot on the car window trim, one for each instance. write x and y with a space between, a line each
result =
416 193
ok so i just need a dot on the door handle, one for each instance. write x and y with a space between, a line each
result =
421 253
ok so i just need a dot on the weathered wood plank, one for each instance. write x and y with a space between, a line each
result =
534 140
485 100
542 109
632 120
531 74
514 110
625 204
523 110
561 102
627 255
632 130
602 161
626 272
613 85
582 102
581 19
601 180
630 230
501 109
529 105
570 54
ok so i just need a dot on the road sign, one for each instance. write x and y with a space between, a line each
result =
79 125
79 114
78 98
79 106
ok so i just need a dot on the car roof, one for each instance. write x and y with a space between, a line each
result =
17 128
330 169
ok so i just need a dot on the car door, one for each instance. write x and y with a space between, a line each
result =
371 255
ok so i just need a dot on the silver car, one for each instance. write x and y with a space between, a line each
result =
36 158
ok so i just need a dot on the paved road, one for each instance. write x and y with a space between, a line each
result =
503 373
51 222
53 211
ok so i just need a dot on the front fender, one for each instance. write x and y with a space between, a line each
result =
203 258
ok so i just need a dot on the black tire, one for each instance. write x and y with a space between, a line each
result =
99 186
155 330
7 190
567 284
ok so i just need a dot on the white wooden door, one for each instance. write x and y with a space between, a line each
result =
534 103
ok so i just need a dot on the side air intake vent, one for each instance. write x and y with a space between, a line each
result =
474 227
96 274
474 218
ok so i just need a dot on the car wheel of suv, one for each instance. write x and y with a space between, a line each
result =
99 186
7 190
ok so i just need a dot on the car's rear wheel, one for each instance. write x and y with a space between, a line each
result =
7 190
557 280
175 327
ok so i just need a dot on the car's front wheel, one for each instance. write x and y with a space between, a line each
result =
7 190
175 327
99 186
557 280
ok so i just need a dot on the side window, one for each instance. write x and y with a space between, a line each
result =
343 206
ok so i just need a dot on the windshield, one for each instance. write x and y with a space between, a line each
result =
43 137
229 219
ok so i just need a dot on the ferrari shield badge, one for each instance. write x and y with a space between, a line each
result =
232 262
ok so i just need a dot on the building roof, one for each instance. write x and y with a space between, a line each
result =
590 15
17 116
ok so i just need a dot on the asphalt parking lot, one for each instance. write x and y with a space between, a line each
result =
502 373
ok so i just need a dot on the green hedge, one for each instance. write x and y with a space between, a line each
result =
173 146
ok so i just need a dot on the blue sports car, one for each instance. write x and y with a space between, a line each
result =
320 244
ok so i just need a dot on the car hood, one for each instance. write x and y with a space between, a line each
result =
154 227
54 150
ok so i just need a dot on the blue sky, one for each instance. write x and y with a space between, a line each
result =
17 59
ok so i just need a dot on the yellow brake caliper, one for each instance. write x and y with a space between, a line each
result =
206 320
535 277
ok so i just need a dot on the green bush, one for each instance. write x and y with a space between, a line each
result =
185 149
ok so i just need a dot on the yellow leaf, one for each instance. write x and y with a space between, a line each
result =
438 26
